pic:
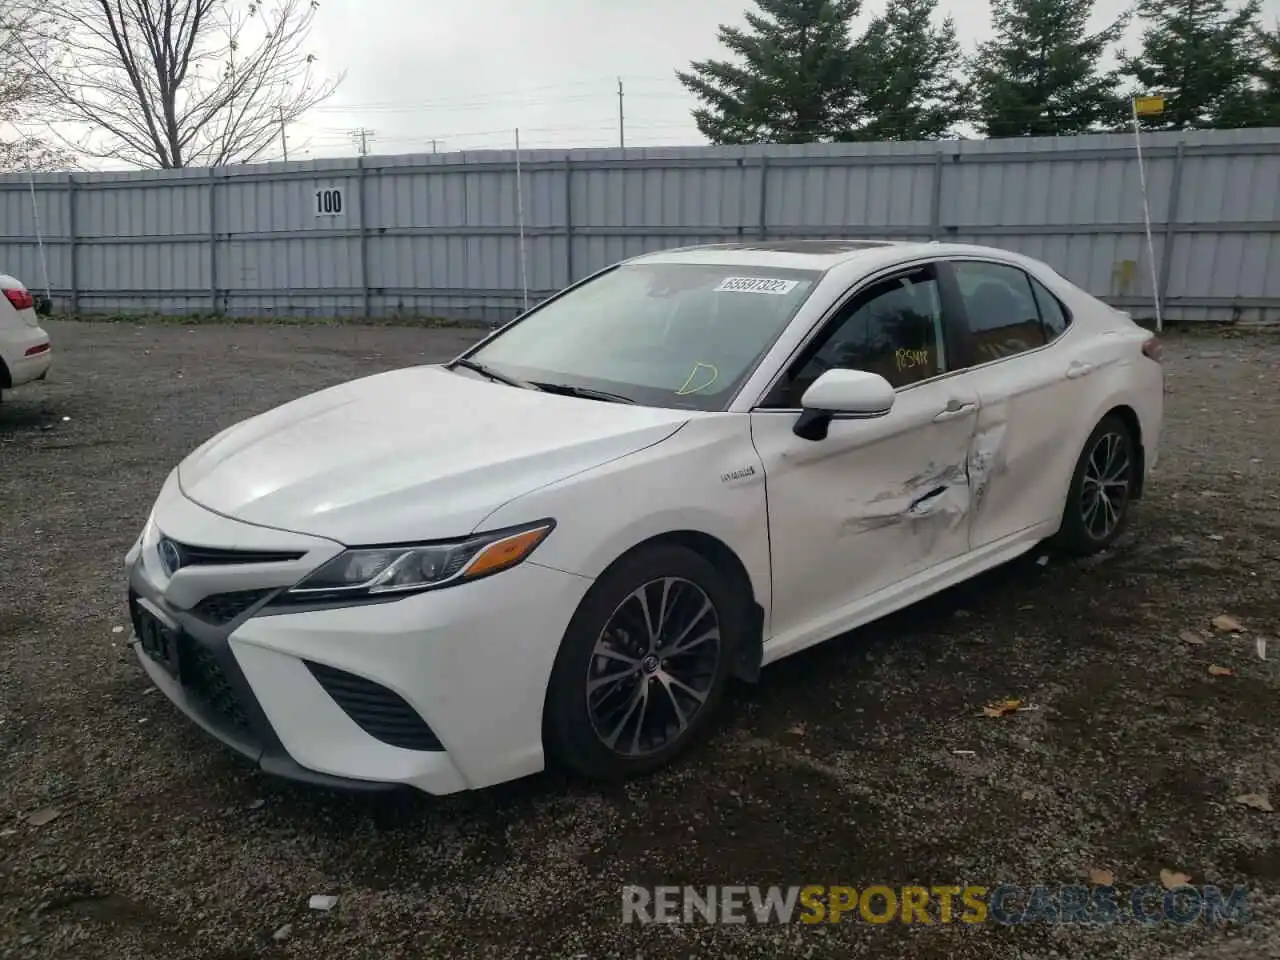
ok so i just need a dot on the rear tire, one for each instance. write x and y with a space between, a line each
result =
1097 507
644 665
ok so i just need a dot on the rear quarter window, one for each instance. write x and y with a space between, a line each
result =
1053 315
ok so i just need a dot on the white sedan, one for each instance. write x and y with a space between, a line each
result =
25 351
564 543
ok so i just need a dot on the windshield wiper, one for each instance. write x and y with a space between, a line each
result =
585 393
494 375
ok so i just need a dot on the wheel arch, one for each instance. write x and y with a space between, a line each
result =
726 560
1129 417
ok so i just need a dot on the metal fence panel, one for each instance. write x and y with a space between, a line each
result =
439 235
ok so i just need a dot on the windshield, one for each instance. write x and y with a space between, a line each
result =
660 334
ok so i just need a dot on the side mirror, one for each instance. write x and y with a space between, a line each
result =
852 394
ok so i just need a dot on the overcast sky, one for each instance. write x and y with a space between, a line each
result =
466 73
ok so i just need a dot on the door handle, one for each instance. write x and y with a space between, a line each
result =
955 408
1078 369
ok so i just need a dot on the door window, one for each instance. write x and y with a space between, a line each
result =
1001 309
893 328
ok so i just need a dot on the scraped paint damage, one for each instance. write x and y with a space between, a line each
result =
987 459
941 497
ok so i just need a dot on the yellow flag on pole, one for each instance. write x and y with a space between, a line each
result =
1148 106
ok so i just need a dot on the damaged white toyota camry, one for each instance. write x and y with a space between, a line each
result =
563 544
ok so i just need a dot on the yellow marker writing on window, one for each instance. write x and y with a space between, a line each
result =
709 376
906 359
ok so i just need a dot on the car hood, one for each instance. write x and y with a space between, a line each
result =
415 454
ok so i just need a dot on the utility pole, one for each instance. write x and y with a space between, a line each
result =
284 141
361 135
622 139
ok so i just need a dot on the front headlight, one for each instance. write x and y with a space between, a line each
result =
378 571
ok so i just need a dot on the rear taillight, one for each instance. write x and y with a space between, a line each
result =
1152 349
21 299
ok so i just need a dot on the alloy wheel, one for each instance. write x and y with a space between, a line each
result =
653 666
1104 492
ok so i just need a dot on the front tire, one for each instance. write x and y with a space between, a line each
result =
1097 508
644 664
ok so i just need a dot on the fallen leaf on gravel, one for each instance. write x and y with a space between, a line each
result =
1261 646
283 933
1028 794
1215 536
1001 709
1228 624
1101 878
117 629
323 901
41 817
1043 561
257 804
964 753
798 729
1217 671
1258 801
1172 878
1190 636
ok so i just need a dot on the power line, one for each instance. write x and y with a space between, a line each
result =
492 98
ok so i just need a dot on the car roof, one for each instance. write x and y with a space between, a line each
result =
817 255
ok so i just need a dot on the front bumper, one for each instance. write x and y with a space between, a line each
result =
299 691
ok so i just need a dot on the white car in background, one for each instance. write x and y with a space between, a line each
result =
564 543
25 351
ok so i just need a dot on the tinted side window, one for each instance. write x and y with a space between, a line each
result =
1001 307
1052 313
893 328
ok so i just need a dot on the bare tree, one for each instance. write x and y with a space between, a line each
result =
177 83
19 148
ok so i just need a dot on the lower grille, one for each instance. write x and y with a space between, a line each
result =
222 608
205 680
379 712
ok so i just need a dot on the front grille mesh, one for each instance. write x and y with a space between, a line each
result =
222 608
204 678
379 712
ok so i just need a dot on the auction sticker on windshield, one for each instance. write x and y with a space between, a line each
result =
756 285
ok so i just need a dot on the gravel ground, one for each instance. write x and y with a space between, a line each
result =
841 767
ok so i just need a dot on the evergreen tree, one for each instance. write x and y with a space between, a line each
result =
1269 78
911 74
796 80
1040 74
1201 55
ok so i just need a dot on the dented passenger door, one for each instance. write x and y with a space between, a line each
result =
876 501
873 504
